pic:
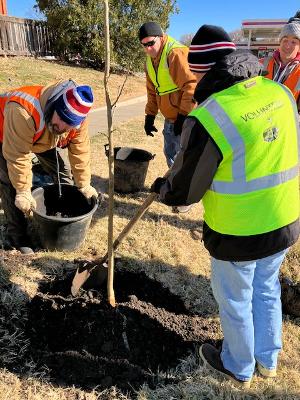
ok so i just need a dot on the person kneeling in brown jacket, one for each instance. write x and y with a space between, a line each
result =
41 120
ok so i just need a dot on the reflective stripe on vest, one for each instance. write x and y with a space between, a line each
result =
32 105
28 98
238 162
255 188
162 79
292 81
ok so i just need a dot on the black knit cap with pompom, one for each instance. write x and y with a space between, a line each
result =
209 45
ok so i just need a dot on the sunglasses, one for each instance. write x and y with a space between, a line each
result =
149 44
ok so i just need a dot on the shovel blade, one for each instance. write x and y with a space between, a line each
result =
79 279
89 276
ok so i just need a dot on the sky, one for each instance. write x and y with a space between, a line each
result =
193 13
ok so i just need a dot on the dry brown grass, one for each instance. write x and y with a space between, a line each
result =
161 244
20 71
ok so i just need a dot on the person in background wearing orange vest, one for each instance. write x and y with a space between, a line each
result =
170 87
41 120
284 66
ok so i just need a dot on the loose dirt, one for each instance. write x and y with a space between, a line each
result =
85 342
82 341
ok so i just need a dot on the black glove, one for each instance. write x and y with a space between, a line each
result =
157 184
178 124
149 125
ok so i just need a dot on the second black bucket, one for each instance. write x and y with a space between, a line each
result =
130 168
62 221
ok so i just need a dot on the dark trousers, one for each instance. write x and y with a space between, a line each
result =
16 222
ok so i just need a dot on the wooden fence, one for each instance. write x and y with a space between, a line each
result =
24 37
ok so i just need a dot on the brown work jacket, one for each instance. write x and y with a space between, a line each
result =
18 145
180 101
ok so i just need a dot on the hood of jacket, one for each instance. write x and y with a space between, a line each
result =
231 69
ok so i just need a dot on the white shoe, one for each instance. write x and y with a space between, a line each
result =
181 209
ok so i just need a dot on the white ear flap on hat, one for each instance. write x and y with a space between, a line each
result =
61 88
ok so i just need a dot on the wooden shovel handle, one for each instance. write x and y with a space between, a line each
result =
138 215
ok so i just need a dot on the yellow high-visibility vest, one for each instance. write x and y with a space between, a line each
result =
162 79
255 125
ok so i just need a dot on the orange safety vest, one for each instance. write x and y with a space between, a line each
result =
292 81
29 98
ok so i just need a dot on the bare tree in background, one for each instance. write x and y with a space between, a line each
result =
237 36
186 39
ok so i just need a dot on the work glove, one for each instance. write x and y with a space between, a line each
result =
157 184
24 201
178 124
149 125
89 192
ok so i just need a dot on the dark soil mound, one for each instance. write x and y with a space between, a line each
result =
85 342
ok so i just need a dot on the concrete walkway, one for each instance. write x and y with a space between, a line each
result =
123 111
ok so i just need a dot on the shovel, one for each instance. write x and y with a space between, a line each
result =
94 273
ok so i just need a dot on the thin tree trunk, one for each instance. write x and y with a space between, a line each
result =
110 251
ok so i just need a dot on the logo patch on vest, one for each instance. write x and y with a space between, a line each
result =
271 134
261 111
249 84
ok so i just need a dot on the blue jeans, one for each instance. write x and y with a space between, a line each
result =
248 295
171 142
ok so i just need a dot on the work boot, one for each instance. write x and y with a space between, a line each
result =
181 209
212 360
26 251
265 372
23 245
16 223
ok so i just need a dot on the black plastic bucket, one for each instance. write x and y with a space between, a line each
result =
62 222
130 173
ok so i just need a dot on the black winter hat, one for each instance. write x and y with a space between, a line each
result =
295 18
209 45
150 29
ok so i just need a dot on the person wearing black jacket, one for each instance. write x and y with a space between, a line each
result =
246 249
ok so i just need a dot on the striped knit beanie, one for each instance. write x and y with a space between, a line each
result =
209 45
74 104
